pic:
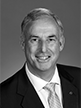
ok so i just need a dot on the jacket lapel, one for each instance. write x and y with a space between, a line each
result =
69 91
25 89
31 99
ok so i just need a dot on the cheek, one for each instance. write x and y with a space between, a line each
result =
55 48
33 49
30 52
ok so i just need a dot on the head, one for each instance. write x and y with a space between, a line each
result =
42 39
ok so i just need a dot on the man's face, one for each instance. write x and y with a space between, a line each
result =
42 45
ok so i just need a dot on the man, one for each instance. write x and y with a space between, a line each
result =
42 41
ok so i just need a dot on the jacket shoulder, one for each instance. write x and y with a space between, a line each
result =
11 82
68 66
13 79
73 70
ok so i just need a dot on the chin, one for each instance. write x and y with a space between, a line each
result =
43 66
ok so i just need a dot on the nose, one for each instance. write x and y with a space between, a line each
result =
43 46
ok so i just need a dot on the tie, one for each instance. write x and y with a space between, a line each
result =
53 99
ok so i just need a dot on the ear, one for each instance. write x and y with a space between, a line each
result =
62 42
23 46
22 42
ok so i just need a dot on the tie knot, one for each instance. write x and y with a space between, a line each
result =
50 87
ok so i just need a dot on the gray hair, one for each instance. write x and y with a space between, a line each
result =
34 15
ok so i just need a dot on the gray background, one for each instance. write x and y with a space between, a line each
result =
12 14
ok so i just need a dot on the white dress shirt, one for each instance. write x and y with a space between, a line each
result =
39 83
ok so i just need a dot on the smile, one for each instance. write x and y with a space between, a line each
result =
43 58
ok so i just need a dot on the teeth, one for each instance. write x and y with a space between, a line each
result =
43 58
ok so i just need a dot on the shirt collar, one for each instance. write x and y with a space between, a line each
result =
39 83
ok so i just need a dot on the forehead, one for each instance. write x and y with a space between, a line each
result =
44 26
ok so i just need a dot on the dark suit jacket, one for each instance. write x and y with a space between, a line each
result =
18 92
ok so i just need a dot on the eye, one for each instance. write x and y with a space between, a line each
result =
34 40
51 40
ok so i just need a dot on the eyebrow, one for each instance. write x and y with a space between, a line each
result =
33 36
52 36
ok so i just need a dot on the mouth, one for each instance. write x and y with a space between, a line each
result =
43 59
